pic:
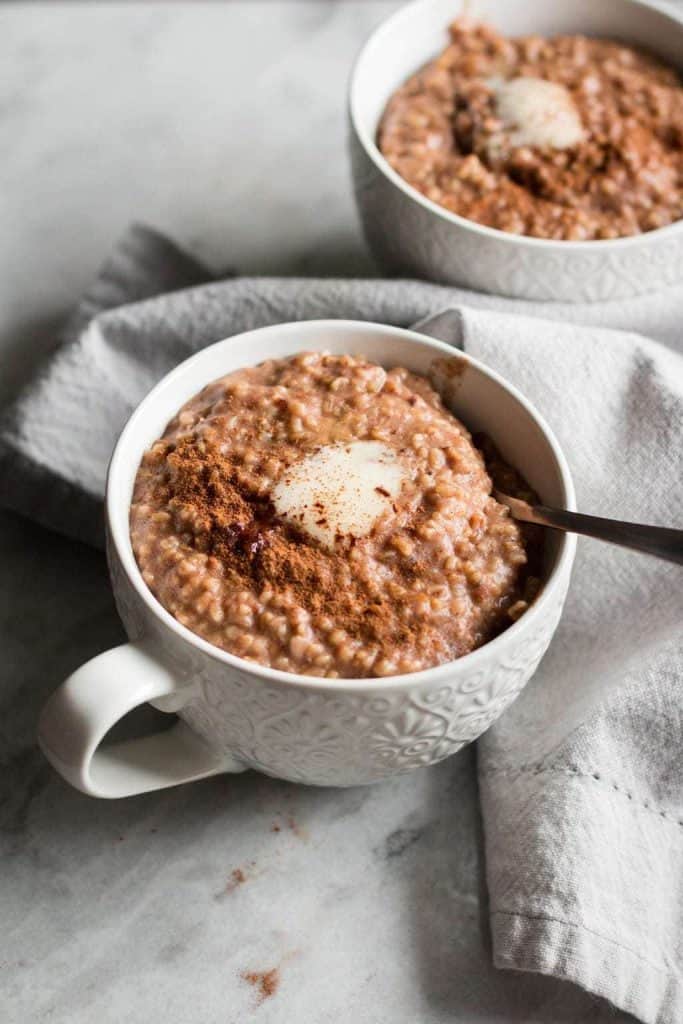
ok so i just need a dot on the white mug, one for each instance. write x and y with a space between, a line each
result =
236 714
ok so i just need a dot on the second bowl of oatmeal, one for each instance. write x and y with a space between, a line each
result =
238 585
527 149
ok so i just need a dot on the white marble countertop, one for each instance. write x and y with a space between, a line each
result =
222 124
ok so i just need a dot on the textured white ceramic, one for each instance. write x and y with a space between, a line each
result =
235 714
412 236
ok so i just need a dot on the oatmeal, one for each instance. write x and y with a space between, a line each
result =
321 515
562 138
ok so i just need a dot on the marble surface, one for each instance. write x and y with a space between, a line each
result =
368 904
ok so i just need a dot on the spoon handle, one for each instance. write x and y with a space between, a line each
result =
661 541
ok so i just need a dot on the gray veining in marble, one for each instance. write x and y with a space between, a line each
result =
370 903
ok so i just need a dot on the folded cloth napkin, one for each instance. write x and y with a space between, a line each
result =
581 780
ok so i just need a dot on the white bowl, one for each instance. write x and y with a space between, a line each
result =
236 714
412 236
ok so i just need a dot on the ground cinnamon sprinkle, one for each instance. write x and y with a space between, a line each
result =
254 547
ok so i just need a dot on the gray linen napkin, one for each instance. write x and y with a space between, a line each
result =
582 779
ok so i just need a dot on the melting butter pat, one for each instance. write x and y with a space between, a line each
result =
340 489
537 113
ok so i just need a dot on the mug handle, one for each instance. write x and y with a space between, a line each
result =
94 698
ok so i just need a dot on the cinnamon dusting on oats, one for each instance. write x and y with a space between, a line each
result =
255 548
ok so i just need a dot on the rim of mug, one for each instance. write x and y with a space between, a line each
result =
122 542
384 167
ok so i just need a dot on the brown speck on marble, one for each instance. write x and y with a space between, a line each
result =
237 877
266 983
299 831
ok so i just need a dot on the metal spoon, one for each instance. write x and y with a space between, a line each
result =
660 541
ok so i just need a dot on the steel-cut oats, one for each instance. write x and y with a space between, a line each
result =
442 570
448 132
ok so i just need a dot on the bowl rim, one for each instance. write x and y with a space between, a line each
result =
494 234
120 537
